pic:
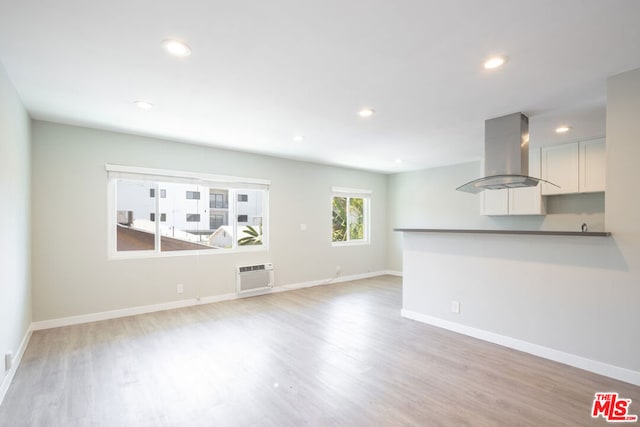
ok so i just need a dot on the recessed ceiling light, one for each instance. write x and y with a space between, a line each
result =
495 62
398 161
298 138
143 105
563 129
366 112
176 47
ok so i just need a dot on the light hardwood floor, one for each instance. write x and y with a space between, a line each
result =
336 355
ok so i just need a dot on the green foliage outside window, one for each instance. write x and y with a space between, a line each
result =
252 236
348 219
339 219
356 219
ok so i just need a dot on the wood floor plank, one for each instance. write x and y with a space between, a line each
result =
335 355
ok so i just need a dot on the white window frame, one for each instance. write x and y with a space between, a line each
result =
231 183
352 193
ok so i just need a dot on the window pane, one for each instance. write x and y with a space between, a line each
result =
339 218
185 225
221 232
250 218
218 199
356 219
164 216
134 232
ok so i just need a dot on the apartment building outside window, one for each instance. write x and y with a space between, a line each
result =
193 216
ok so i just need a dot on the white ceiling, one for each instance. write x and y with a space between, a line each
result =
263 71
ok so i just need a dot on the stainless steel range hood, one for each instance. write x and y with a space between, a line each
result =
506 155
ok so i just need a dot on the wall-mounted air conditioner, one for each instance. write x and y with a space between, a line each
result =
252 278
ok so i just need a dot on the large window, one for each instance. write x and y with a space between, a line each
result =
350 216
194 211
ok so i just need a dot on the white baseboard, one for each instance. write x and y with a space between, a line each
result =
132 311
601 368
393 273
339 279
111 314
6 381
216 298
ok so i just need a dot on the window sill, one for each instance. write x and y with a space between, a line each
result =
169 254
355 243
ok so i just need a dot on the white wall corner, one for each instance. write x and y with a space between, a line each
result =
600 368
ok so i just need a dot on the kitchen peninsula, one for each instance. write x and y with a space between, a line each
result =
538 292
569 298
522 232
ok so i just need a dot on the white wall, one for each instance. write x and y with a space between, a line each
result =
15 290
72 274
574 296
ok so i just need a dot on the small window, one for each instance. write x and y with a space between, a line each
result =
243 218
163 194
350 217
218 200
216 221
193 195
193 217
163 217
152 193
243 197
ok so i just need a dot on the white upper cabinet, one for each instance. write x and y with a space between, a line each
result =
578 167
526 201
516 201
495 202
560 167
592 165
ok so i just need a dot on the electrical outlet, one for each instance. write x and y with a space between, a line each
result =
338 269
8 359
180 288
455 306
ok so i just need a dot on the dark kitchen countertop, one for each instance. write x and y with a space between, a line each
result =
522 232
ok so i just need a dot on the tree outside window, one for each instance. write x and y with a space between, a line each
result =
349 219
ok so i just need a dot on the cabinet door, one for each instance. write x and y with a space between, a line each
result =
528 201
560 166
495 202
592 165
